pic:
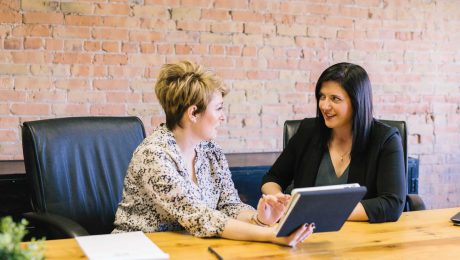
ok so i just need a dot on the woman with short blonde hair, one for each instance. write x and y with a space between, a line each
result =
179 178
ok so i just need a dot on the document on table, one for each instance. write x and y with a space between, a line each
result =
131 245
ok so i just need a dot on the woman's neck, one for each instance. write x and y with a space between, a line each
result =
342 136
185 141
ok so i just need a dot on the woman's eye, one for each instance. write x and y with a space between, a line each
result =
336 99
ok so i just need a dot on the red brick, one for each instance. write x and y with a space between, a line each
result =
71 109
111 59
72 84
231 4
32 83
193 26
158 12
165 48
226 27
121 21
88 70
146 60
9 122
77 8
83 20
12 96
217 49
43 18
31 30
197 3
124 97
28 57
231 74
111 34
214 14
247 16
111 46
30 109
85 96
13 44
54 44
260 74
72 58
108 109
73 45
92 46
112 9
125 72
183 49
148 48
249 51
8 135
127 47
10 17
72 32
215 62
107 84
33 43
141 36
249 40
185 13
47 96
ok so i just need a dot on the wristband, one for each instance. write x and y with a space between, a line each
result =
255 219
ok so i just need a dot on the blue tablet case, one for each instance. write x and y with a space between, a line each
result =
328 209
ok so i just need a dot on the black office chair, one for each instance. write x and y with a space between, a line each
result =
75 168
413 201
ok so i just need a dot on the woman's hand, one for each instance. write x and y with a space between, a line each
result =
272 207
296 237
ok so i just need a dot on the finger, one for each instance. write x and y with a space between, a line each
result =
298 233
308 231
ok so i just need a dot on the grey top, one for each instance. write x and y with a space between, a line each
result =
326 173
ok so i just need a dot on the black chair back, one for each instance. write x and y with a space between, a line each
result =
76 166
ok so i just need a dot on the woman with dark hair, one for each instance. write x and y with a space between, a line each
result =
345 144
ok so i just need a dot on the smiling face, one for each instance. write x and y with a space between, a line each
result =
209 120
335 106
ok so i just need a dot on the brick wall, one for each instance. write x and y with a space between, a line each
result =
101 57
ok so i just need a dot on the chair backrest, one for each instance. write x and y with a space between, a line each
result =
291 127
76 166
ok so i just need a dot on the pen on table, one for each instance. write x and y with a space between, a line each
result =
210 249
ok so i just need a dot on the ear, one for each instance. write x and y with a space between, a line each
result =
192 113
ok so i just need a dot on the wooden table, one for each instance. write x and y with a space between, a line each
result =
417 235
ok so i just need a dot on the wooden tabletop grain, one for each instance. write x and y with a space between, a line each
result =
425 234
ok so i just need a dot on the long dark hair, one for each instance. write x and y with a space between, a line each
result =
354 79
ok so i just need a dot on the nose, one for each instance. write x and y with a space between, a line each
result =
325 104
222 117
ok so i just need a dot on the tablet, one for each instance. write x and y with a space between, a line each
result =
456 219
327 206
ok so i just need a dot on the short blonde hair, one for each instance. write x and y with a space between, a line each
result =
183 84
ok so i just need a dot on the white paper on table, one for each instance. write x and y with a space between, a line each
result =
131 245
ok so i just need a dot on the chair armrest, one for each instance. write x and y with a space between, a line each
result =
55 226
415 202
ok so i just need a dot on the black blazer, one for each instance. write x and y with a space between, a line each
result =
380 168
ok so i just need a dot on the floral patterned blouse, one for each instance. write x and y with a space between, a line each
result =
159 194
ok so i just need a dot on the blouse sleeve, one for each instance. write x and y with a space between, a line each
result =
170 191
229 201
390 182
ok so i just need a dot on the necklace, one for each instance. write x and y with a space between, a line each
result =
341 156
